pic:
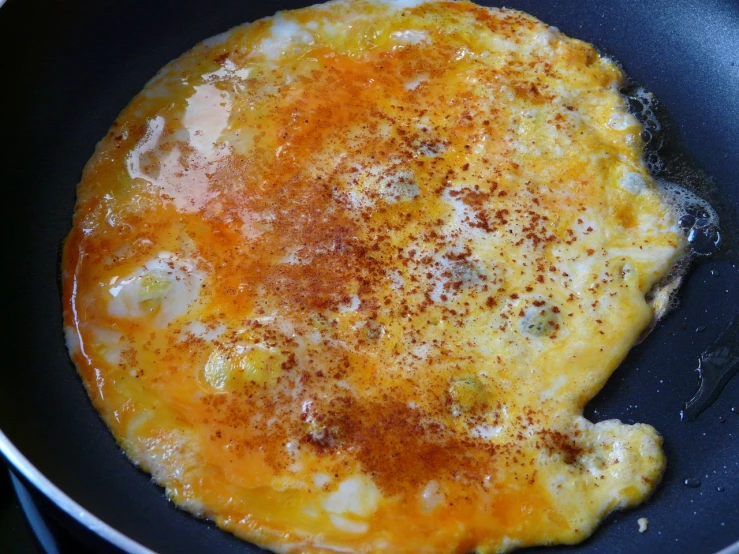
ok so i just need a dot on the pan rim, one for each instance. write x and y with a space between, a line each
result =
63 501
731 549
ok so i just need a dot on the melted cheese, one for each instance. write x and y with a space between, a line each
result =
344 278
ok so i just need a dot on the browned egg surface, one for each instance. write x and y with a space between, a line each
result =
343 279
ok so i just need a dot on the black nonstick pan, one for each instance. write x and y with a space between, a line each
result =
68 68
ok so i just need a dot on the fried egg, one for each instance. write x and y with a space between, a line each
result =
343 279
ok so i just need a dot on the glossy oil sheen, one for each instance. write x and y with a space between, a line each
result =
76 67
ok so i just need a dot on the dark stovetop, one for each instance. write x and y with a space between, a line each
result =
15 533
25 528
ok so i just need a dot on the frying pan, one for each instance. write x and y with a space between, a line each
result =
69 67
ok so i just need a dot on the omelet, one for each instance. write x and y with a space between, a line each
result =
343 279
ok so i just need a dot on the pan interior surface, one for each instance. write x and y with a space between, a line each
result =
85 60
